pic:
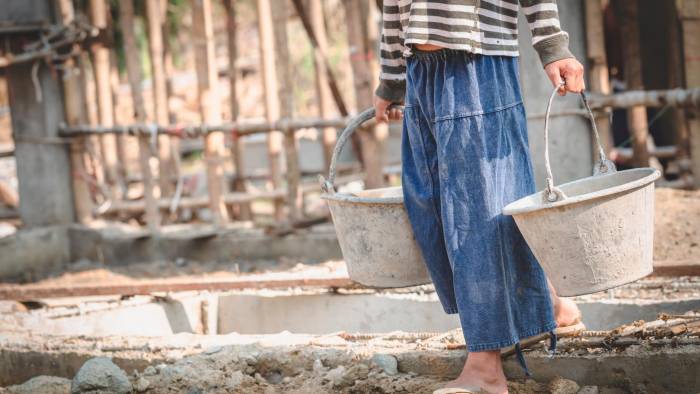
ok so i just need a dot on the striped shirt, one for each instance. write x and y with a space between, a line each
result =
488 27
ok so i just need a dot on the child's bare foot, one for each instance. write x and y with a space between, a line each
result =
482 373
566 312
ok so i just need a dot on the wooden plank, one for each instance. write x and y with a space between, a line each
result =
272 104
133 68
244 211
677 268
8 195
34 292
166 162
7 150
209 105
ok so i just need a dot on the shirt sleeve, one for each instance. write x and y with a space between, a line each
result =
392 77
548 39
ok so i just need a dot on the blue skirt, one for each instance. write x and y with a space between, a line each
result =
465 156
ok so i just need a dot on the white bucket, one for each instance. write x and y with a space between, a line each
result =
373 229
592 234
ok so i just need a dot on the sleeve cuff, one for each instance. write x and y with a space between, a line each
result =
553 49
392 90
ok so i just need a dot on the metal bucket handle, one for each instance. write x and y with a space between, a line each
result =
353 125
603 166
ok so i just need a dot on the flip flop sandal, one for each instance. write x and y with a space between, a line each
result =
458 390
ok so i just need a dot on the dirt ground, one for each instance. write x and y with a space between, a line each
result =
677 226
287 363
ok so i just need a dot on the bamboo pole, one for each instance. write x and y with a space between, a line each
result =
237 144
209 105
242 128
648 98
360 57
272 105
133 69
285 94
637 115
92 144
676 80
329 135
195 202
598 70
689 11
168 67
318 52
74 104
99 10
166 163
122 140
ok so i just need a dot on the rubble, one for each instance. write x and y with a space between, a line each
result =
98 375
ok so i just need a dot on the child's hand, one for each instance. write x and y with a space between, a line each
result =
382 115
569 70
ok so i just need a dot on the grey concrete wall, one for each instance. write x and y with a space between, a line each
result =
106 247
163 317
26 11
326 313
570 137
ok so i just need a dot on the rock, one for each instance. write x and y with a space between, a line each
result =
386 362
336 375
560 385
274 377
142 385
150 371
213 350
318 366
588 390
100 374
42 385
235 379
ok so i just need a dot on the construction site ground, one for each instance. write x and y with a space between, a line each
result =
42 347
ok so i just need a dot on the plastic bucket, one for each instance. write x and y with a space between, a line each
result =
373 229
592 234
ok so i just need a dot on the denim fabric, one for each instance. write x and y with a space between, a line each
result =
465 156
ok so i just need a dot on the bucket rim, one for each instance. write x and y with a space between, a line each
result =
652 175
349 198
355 199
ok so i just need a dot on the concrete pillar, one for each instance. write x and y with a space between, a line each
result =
570 136
43 160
